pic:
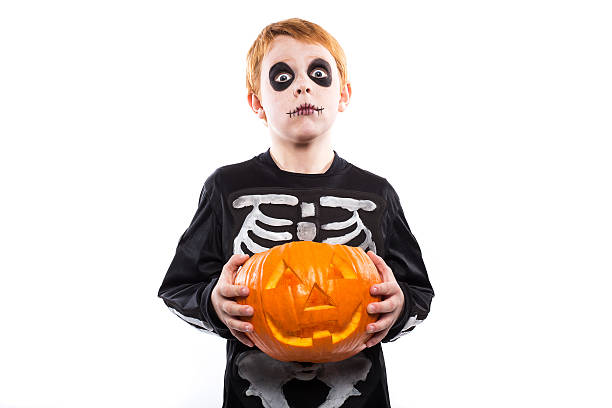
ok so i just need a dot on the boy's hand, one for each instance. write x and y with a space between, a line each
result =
222 298
390 307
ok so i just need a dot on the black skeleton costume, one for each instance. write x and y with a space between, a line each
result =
252 206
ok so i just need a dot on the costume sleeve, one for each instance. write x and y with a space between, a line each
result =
196 267
403 255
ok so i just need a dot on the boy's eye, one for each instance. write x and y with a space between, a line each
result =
319 73
283 77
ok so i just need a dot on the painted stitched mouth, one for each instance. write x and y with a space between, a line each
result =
305 109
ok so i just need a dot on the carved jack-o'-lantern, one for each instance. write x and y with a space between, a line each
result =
309 300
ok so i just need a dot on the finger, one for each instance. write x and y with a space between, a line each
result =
234 309
230 291
376 339
381 324
239 325
242 338
385 288
386 306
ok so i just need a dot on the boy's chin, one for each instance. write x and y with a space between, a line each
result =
306 131
306 137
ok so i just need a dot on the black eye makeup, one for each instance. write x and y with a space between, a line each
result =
281 75
278 73
320 67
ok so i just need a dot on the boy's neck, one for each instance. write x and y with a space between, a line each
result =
309 159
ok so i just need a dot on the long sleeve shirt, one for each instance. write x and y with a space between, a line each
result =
252 206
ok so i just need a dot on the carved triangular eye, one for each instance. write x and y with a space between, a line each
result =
334 273
284 275
288 279
343 266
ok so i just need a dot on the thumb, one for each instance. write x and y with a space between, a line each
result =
228 273
385 274
236 261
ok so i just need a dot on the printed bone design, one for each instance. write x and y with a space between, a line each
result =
267 376
306 231
353 205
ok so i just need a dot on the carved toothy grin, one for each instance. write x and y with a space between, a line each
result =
308 336
305 109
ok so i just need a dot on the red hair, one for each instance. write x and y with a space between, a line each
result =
298 29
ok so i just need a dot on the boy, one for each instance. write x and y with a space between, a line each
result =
299 189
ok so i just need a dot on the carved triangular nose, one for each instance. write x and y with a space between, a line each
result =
318 300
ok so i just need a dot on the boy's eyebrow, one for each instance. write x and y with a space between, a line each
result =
290 58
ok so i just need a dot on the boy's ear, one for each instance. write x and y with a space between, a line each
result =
345 97
256 106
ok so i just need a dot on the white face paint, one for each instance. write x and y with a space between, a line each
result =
267 376
306 231
305 88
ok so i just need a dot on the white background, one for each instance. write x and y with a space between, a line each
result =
491 119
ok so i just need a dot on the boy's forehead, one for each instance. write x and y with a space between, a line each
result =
287 49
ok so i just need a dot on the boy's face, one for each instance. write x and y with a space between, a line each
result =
295 75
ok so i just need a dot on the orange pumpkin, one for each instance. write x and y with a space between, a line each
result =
309 300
